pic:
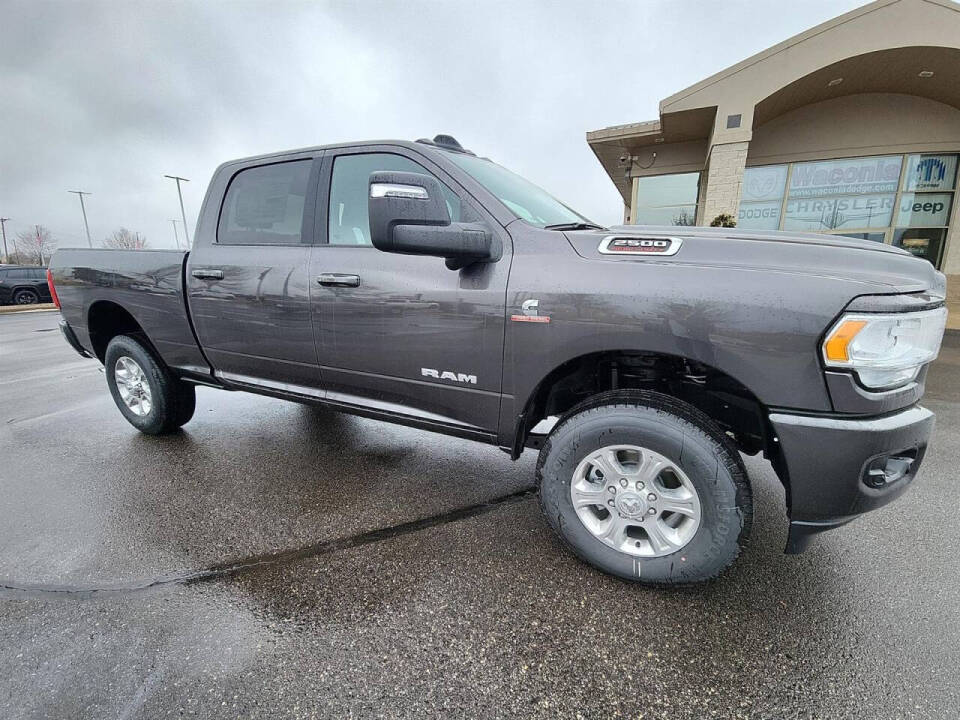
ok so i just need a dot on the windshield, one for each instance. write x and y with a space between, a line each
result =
525 200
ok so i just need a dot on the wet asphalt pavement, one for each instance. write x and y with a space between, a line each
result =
275 560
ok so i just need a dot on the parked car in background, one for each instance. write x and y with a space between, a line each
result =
23 285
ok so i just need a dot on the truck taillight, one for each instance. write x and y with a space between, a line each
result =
53 290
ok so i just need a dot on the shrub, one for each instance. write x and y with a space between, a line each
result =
723 220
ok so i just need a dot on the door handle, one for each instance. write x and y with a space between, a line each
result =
338 280
207 274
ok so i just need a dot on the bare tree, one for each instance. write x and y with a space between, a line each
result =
124 239
35 245
16 257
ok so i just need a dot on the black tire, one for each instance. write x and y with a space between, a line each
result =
172 400
26 297
682 434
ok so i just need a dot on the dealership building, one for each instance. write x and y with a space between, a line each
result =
850 128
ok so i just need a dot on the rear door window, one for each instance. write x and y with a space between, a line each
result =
264 205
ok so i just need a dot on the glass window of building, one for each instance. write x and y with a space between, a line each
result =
761 198
667 199
902 200
852 194
925 205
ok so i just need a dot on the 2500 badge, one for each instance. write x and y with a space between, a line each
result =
614 245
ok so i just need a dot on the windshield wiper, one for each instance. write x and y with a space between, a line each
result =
574 226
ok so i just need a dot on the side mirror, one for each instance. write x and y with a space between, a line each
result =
408 215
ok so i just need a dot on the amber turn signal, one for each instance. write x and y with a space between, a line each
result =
836 345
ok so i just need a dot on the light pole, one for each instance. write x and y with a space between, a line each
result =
36 229
176 238
80 194
186 233
3 229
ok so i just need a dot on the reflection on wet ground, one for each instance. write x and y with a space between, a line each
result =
312 564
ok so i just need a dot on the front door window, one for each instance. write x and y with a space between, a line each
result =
348 220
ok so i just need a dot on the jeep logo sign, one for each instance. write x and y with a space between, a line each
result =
614 245
926 210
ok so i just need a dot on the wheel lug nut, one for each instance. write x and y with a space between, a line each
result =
639 484
651 511
612 489
651 497
610 503
623 482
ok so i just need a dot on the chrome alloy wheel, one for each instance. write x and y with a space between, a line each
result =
133 386
635 500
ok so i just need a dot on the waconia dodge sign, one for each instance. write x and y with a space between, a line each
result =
858 176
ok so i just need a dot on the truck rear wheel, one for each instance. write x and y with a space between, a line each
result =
647 488
149 396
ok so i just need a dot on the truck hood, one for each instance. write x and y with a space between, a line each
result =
885 269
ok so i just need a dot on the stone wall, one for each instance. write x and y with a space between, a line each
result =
953 302
721 181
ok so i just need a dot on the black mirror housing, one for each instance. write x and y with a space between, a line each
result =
403 198
408 215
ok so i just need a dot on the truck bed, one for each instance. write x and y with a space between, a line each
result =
146 284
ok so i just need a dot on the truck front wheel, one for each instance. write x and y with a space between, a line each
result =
147 393
646 487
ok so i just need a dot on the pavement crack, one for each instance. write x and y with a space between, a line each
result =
256 562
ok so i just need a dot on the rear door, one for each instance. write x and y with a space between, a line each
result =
6 285
248 280
39 276
403 334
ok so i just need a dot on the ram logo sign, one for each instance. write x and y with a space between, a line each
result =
448 375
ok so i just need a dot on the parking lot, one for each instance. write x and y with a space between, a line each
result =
275 560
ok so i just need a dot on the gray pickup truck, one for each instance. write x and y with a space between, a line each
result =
417 283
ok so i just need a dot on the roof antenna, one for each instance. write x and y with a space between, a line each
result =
448 141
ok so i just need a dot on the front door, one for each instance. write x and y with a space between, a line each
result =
249 286
403 334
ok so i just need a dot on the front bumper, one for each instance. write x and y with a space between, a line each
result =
840 468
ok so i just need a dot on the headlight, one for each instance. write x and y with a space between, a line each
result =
885 350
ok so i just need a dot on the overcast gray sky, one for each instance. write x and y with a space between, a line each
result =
109 97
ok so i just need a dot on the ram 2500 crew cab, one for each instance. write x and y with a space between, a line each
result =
417 283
